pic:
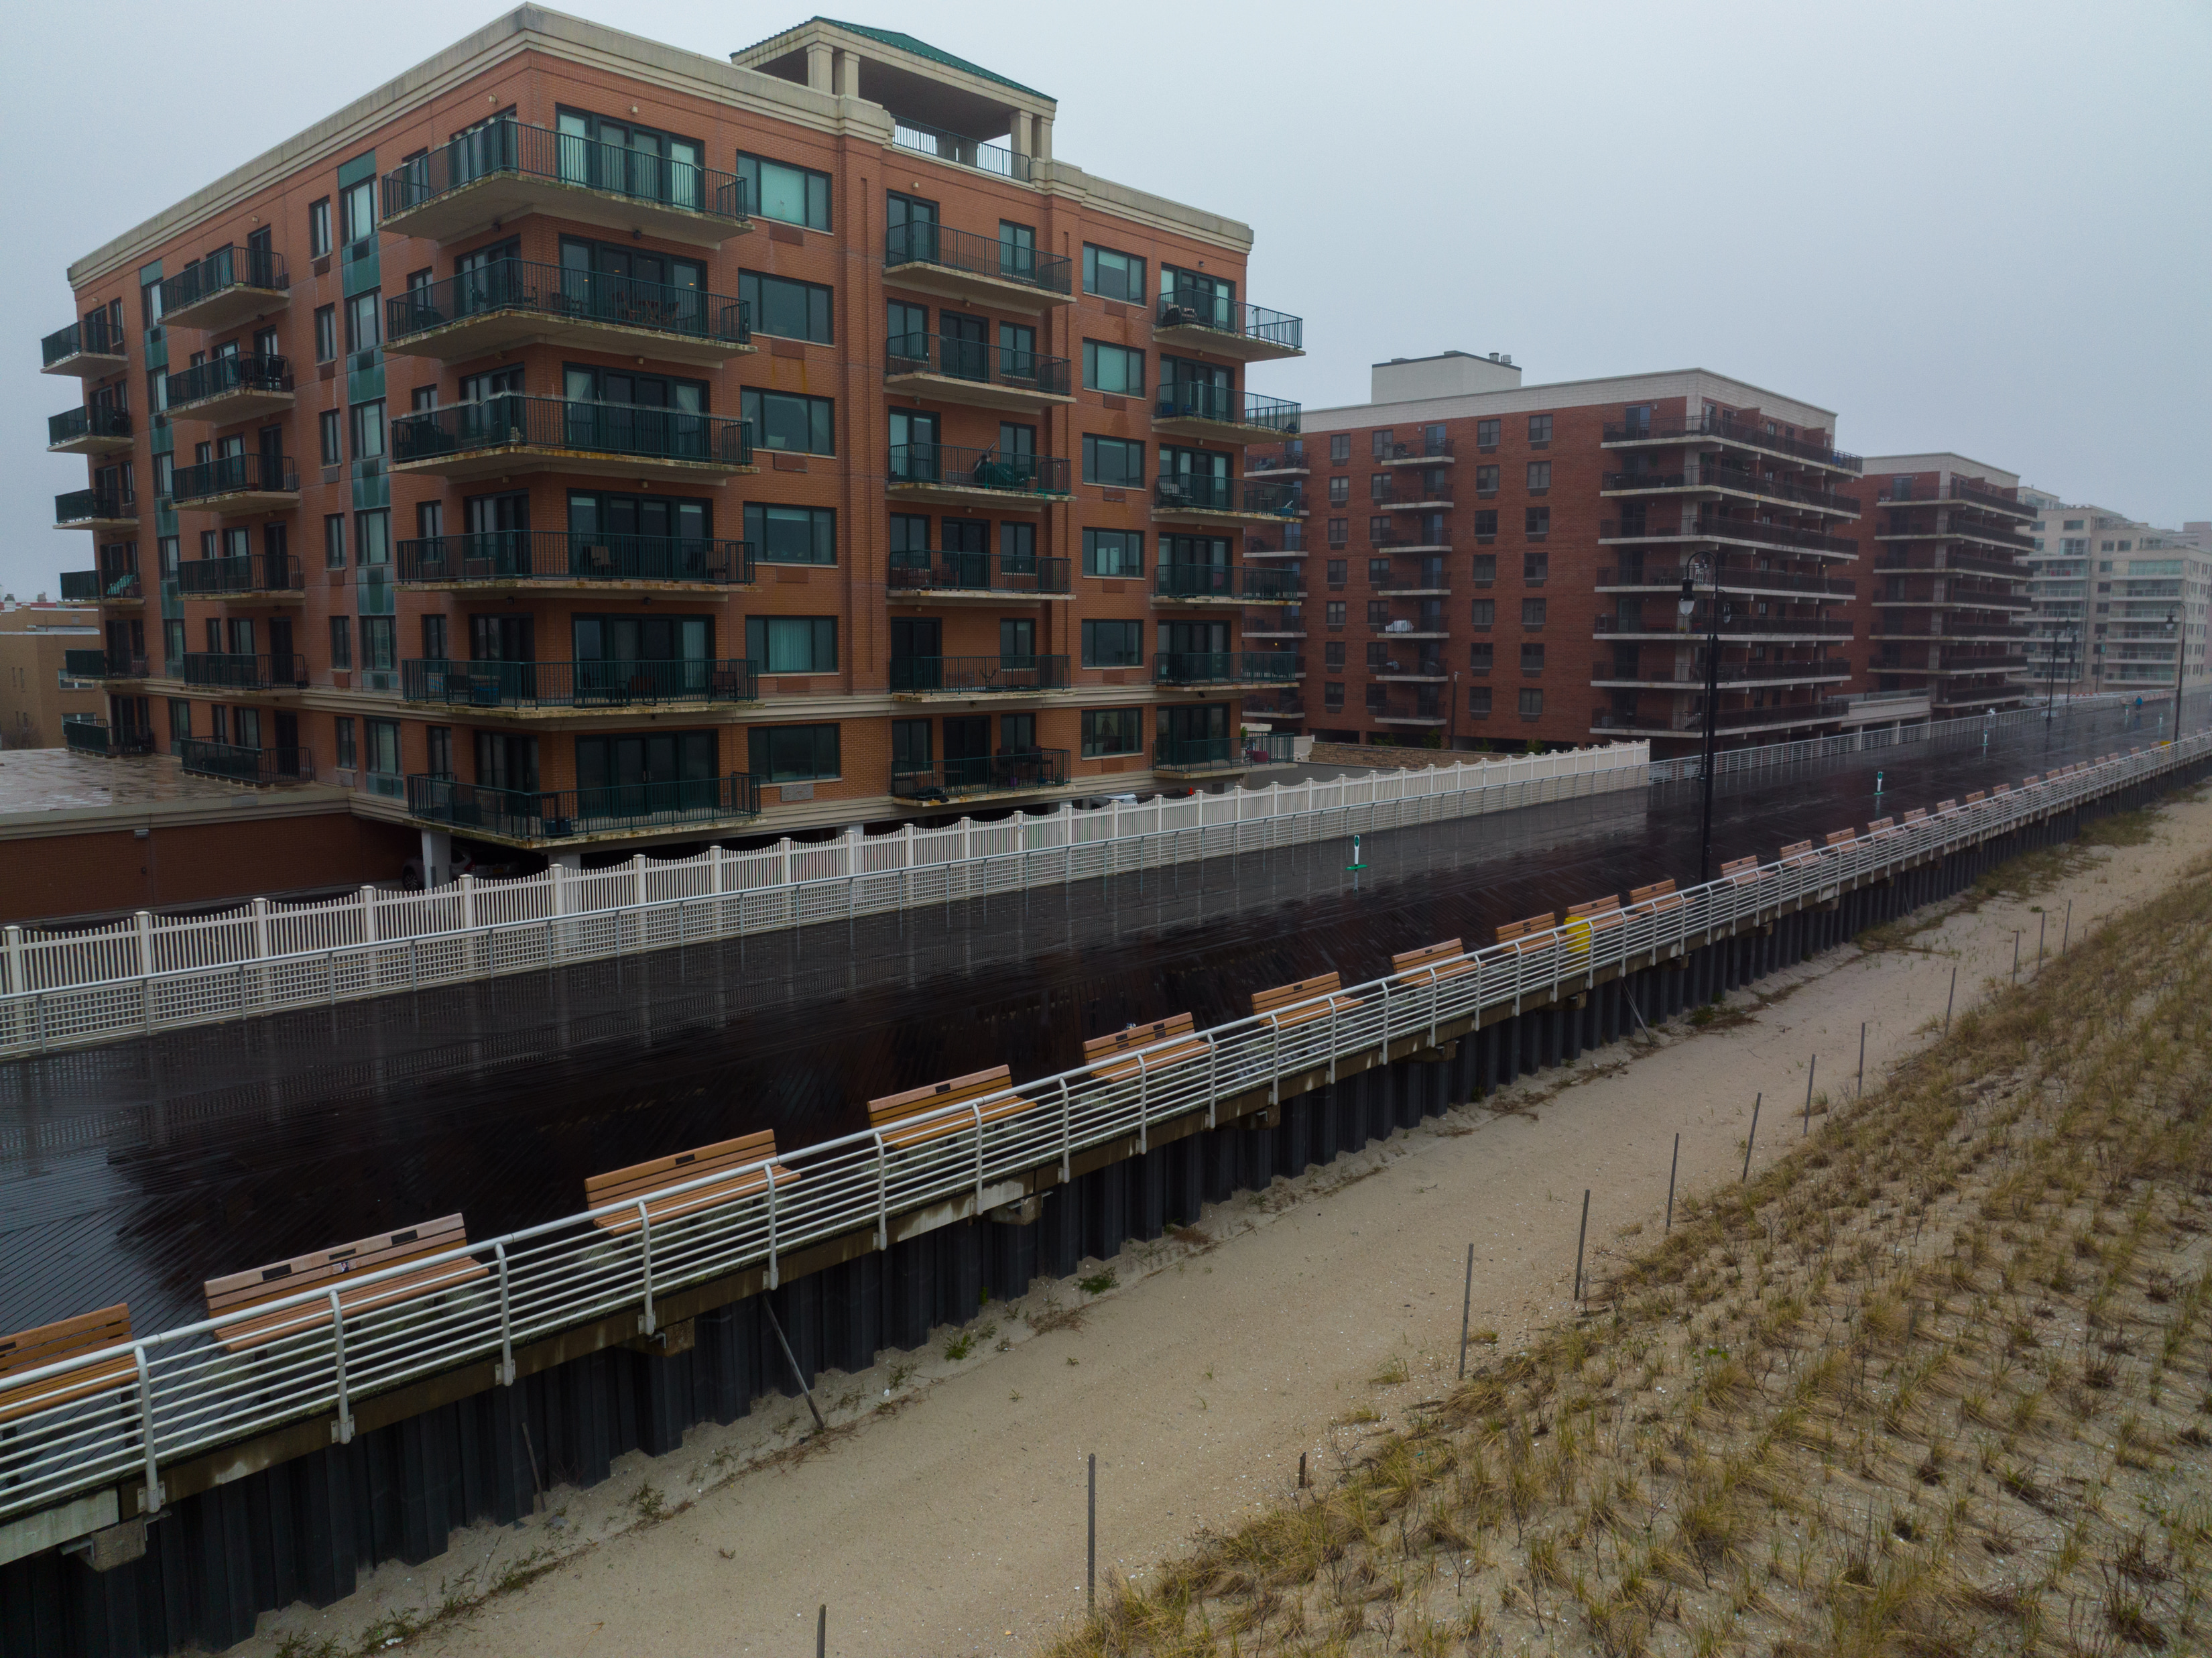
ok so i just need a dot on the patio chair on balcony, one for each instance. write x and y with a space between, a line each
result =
596 560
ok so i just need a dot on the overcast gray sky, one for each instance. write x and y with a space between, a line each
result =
1978 228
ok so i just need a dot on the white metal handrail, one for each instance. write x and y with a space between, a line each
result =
188 1394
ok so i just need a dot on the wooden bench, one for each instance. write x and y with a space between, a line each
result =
77 1337
1796 853
1918 814
1881 827
640 1179
1944 808
1588 919
2003 788
1977 797
1532 934
241 1291
1117 1056
1741 872
899 1118
1432 961
1657 896
1839 837
1276 1004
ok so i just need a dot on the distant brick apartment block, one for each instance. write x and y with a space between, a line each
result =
579 439
1490 563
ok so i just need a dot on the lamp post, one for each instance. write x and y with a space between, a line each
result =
2180 661
1700 567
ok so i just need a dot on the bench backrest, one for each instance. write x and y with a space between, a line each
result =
2030 780
1946 806
639 1179
1652 894
1918 814
395 1248
1513 929
1139 1036
1795 849
1739 866
64 1339
1881 824
1429 955
1609 904
2003 788
1977 797
959 1090
1283 996
1841 836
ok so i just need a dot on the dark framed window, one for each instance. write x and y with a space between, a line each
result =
910 746
1535 568
434 635
1378 487
364 321
1113 644
1532 703
1378 572
334 540
347 755
1379 612
777 190
790 421
1378 656
180 718
327 427
1339 531
1339 491
1532 612
1485 522
326 333
1539 474
788 309
1378 444
1485 434
792 645
1332 655
1332 696
796 535
358 204
380 641
1378 698
319 228
1378 528
792 753
1336 614
438 746
1484 571
1479 655
1478 701
1113 369
1113 275
1339 448
372 537
1112 462
368 430
1484 613
341 641
1113 552
1485 480
1536 521
1340 571
1112 731
1532 659
1540 429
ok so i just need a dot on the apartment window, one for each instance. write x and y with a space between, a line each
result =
1339 532
1478 701
1532 612
795 535
379 643
362 330
792 645
1332 655
1484 613
777 190
422 398
1112 731
1485 434
1479 655
1378 529
1378 487
326 333
1339 491
371 538
1113 644
1378 656
319 228
788 309
1532 703
1378 698
1113 552
1540 475
1535 521
438 748
1485 480
172 645
1540 429
180 718
334 540
359 202
790 422
1535 568
1339 448
1339 571
792 753
1332 696
1111 369
1532 659
2075 524
341 641
326 426
368 430
434 636
1336 612
1485 525
1112 275
1378 572
1484 571
1378 444
1112 462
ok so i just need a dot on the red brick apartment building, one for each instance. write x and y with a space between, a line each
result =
1491 563
579 439
1947 601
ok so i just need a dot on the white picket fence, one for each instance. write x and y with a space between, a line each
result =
150 973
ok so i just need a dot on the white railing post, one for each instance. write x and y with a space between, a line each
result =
644 1250
774 1253
342 1429
505 1314
637 879
367 913
468 885
783 862
150 1503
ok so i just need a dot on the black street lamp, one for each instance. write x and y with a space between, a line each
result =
1700 567
2180 661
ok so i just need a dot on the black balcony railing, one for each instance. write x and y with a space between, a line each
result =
261 767
978 256
1276 705
1194 492
92 506
1221 753
230 671
228 267
1290 457
1182 399
103 665
1424 447
977 360
221 376
91 585
508 146
1804 627
513 420
578 685
1023 770
564 556
1692 674
977 572
1732 575
251 572
955 465
91 337
98 737
563 294
978 674
97 421
1225 666
1953 558
249 474
1664 428
1226 581
926 140
1184 307
1723 527
1730 478
565 813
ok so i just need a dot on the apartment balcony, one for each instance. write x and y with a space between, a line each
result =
967 677
503 169
1425 708
95 429
1952 559
1208 667
1285 704
1729 723
1908 526
224 390
1708 527
1429 625
1289 460
1718 431
1735 579
105 665
269 575
237 485
1226 584
572 688
960 476
109 742
100 510
941 369
1220 414
1285 543
1186 496
1690 676
935 258
1417 451
1432 581
1425 538
226 289
1952 664
258 768
1729 480
535 817
1023 772
523 561
1959 492
1411 495
91 587
1199 756
976 578
511 303
1428 669
1222 328
1956 597
512 433
228 671
1937 626
1668 626
88 348
1288 622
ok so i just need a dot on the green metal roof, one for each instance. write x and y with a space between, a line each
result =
923 49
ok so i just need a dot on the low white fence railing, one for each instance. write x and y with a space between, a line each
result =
182 1392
